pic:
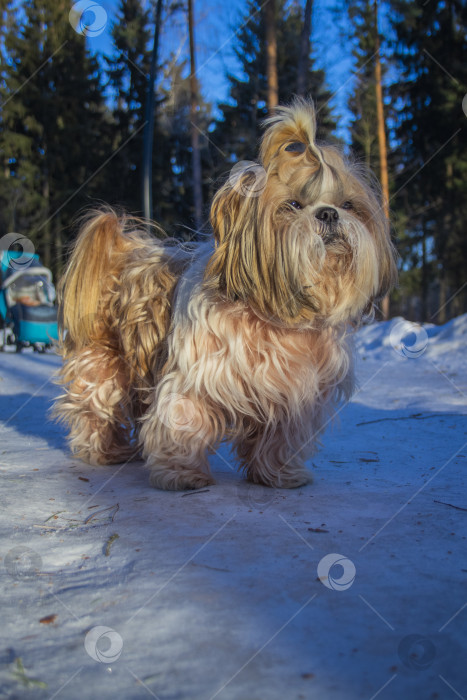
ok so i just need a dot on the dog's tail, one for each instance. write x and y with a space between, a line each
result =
103 245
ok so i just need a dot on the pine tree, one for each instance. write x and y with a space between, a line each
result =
269 10
51 125
432 143
362 102
368 128
194 128
172 167
172 177
128 70
305 48
238 131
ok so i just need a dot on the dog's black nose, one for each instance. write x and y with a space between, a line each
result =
328 215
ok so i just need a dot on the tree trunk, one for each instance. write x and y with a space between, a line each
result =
148 137
383 159
46 242
441 315
195 152
254 111
58 247
271 54
305 47
424 306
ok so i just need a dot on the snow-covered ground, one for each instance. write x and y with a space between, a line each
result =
352 587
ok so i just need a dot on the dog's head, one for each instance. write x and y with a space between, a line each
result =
300 236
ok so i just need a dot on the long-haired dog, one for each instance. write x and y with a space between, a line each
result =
170 348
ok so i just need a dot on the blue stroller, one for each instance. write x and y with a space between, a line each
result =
28 317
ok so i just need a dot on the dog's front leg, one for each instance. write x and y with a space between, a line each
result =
273 455
177 430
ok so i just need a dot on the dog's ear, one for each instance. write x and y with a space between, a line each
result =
253 261
233 265
237 199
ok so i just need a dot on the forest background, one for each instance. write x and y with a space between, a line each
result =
389 79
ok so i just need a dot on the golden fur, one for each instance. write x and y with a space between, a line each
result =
169 349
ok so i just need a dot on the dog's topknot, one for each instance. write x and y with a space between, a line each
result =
288 128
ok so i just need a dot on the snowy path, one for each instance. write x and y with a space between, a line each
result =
216 594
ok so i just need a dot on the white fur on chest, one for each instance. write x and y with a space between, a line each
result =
248 367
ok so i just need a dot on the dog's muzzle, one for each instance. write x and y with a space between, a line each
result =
328 218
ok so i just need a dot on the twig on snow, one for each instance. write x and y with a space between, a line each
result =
450 505
416 416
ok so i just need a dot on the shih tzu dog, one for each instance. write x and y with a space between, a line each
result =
170 348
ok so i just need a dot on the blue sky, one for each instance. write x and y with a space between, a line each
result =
215 26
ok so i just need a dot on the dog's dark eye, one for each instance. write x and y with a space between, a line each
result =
296 147
348 205
296 205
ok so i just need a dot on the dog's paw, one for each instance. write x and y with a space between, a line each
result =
294 481
282 479
179 480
